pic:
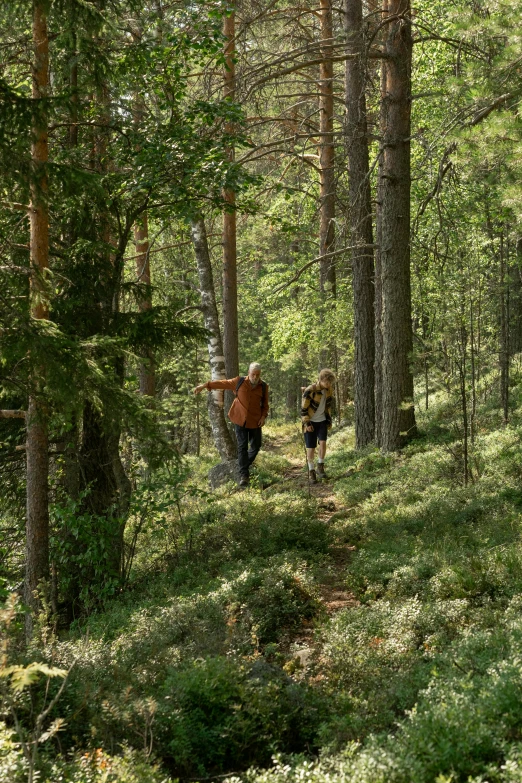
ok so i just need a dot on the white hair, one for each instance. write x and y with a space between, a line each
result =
254 366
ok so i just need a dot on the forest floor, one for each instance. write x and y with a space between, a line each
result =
372 622
329 507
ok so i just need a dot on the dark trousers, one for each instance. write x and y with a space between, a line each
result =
248 444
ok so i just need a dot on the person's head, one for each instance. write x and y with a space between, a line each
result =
326 379
254 373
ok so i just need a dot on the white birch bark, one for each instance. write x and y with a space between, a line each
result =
216 358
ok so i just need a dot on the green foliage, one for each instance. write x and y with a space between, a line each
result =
273 601
420 681
97 766
225 714
81 547
13 765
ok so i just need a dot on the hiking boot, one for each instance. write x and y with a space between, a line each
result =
321 474
312 477
244 481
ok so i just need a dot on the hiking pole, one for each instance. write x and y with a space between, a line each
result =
301 437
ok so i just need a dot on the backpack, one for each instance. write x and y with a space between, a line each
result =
242 379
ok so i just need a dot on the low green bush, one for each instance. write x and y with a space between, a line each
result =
13 765
118 690
273 601
223 714
96 766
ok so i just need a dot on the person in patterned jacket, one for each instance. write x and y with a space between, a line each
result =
317 420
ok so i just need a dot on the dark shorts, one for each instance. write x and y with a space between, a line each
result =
320 433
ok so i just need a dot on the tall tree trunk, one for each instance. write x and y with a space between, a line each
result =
464 398
70 478
326 153
37 444
398 420
230 322
141 239
515 281
378 273
504 332
102 476
222 437
473 412
361 227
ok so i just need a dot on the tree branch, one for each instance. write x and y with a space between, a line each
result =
321 258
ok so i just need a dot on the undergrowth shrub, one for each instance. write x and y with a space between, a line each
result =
214 533
13 765
261 527
272 601
223 713
96 766
118 691
380 656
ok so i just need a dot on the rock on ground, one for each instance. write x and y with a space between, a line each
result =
225 471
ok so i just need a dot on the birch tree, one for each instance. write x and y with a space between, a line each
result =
220 431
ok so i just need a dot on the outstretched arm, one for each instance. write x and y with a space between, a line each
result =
231 384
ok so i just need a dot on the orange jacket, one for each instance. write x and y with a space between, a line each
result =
247 408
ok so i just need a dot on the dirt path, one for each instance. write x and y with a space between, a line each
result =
333 595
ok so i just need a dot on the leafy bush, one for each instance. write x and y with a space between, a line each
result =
82 548
221 714
13 765
96 766
273 601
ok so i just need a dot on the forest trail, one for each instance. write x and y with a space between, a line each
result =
331 589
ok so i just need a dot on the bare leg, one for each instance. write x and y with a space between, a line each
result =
310 454
322 449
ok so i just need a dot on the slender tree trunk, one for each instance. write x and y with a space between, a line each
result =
464 399
479 332
383 119
326 153
425 322
515 339
361 228
70 479
230 321
198 423
222 437
462 370
37 444
504 333
398 421
73 81
292 399
473 412
141 239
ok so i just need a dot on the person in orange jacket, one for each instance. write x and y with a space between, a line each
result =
248 413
